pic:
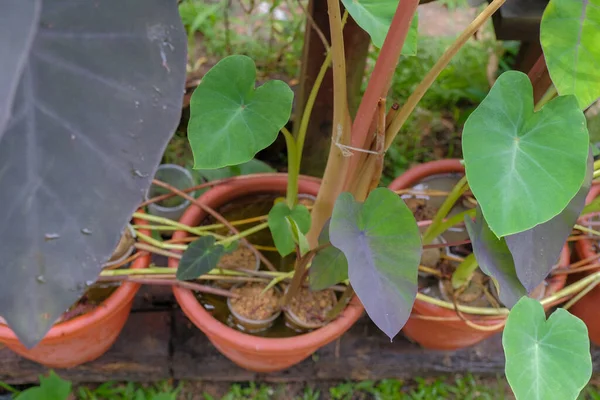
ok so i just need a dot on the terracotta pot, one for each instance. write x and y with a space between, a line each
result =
251 352
440 328
586 308
86 337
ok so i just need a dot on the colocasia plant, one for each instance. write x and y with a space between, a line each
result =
528 164
90 92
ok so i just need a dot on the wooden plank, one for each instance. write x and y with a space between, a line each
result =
158 344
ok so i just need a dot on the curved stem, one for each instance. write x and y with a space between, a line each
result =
243 234
408 107
457 191
293 168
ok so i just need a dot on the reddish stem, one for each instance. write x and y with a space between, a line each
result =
381 77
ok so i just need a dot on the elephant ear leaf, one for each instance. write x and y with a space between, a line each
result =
382 244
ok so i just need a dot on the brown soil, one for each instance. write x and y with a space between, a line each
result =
420 209
253 304
241 258
311 307
306 201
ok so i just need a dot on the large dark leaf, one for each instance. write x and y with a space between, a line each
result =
18 24
329 266
200 257
98 99
382 244
495 259
537 250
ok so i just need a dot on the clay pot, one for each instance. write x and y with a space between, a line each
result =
438 328
251 352
86 337
586 308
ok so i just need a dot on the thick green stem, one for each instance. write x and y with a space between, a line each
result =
243 234
458 190
335 171
549 95
450 222
159 244
293 168
462 274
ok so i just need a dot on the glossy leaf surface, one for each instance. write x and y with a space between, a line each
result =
382 244
375 17
537 250
200 257
569 34
230 119
281 229
98 99
494 259
545 359
329 266
524 167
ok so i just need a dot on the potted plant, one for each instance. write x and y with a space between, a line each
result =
88 328
91 93
434 321
527 167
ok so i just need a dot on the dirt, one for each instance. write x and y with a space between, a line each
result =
477 293
420 209
306 201
253 304
311 307
241 258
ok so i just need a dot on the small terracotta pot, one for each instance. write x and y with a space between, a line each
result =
586 308
439 328
251 352
86 337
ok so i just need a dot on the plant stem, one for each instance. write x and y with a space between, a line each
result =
333 177
408 107
156 250
462 274
293 169
159 244
381 78
215 215
586 230
458 190
341 303
549 95
247 232
175 224
450 222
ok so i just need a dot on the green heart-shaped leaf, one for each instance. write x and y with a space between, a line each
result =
375 17
200 257
569 34
495 259
52 387
299 238
329 266
382 244
524 167
230 120
545 360
281 229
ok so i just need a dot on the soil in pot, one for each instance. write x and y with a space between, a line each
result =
309 310
241 258
250 207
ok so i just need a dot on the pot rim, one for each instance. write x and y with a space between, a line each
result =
453 165
115 302
224 193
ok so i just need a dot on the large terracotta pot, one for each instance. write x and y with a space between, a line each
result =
86 337
439 328
252 352
587 307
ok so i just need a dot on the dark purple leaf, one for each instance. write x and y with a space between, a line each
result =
18 25
382 244
199 258
536 251
99 97
329 266
495 259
